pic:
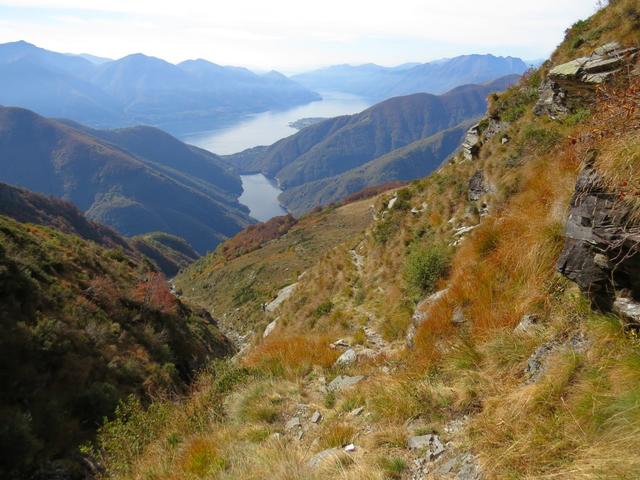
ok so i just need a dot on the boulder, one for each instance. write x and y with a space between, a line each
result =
628 309
293 423
269 329
342 382
602 240
458 317
477 186
283 295
347 358
316 417
465 467
527 324
356 411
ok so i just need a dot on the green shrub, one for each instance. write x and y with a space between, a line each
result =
323 309
578 117
539 138
244 295
386 228
425 266
121 441
393 466
513 103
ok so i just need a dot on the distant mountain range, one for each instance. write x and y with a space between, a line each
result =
377 82
136 180
399 139
138 89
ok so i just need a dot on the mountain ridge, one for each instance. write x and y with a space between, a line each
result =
138 89
135 194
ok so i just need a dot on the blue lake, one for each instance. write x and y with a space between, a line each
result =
260 194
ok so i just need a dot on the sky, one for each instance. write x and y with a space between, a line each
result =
293 35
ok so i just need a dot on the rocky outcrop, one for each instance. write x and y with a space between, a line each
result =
572 85
477 186
601 247
471 143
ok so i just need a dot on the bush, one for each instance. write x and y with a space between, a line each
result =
540 139
425 266
386 229
323 309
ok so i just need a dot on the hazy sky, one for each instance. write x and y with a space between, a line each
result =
293 35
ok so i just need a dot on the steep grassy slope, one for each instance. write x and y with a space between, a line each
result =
238 286
507 372
137 180
83 327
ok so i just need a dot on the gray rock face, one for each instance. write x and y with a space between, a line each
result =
316 417
477 186
602 242
471 143
342 382
431 443
572 84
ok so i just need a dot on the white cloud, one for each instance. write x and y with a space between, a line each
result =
293 33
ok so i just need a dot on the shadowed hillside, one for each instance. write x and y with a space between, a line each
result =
135 180
83 327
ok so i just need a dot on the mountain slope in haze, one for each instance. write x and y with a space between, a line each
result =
138 89
377 82
402 164
335 146
132 193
